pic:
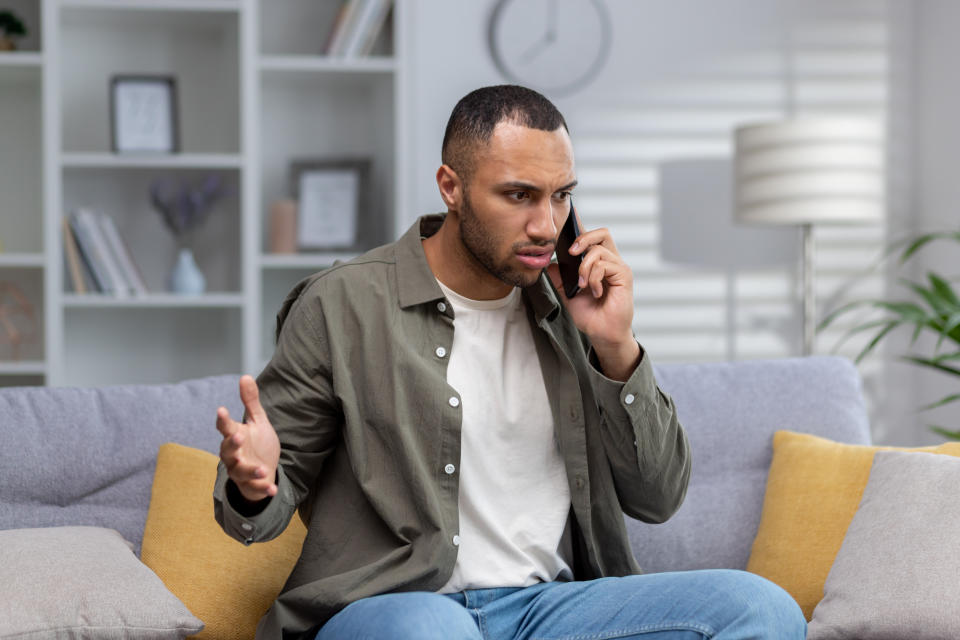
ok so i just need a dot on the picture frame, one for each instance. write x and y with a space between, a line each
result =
333 201
143 114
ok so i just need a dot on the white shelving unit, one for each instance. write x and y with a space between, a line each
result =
255 94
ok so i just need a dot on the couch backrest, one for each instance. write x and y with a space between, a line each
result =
74 456
730 412
87 456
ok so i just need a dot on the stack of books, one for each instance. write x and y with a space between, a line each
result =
98 259
356 27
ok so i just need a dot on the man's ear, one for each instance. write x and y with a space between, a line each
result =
451 187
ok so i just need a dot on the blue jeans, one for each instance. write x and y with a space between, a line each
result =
720 604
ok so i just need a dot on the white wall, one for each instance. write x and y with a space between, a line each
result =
936 176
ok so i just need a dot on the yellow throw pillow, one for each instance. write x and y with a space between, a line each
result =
224 583
813 491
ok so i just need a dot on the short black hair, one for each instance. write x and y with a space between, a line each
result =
476 114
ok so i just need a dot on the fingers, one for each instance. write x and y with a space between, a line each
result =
602 266
592 238
250 396
225 425
250 475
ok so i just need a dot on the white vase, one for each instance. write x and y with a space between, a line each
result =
186 277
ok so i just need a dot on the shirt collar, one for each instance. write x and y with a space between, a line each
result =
417 284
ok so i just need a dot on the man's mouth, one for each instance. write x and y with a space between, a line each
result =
535 257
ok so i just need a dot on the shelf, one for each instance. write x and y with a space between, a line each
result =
326 64
304 260
17 260
154 301
175 161
164 5
21 59
23 368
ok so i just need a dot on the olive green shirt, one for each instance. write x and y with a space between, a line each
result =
357 392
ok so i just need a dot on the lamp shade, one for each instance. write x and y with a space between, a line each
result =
809 171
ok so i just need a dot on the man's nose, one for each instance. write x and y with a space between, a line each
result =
541 225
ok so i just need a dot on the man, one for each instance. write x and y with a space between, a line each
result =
461 439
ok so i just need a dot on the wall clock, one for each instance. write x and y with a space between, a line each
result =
554 46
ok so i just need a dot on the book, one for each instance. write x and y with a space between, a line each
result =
94 248
369 18
336 29
75 268
338 41
352 13
88 254
376 27
122 256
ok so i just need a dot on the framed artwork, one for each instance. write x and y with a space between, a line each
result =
332 197
143 114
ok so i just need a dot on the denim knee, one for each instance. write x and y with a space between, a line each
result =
414 615
760 607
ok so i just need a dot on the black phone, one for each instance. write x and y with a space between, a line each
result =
569 265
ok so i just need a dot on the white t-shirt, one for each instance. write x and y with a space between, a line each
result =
514 499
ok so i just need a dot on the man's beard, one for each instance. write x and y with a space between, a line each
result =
483 247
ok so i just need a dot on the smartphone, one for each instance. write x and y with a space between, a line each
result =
569 265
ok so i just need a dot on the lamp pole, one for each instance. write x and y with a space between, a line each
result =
809 295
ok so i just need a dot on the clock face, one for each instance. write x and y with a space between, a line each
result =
555 46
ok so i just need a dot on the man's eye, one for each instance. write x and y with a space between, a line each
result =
563 195
518 195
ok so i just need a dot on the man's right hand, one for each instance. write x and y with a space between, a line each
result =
250 450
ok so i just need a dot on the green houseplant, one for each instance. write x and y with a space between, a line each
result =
10 27
933 307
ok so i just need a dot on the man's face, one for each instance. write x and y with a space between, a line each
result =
517 200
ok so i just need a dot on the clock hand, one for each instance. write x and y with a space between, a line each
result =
552 21
537 47
548 38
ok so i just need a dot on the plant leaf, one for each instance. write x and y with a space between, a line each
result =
926 238
933 364
947 356
865 327
833 315
943 289
952 435
932 298
867 349
941 402
948 327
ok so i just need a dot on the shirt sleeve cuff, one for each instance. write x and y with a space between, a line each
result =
252 528
625 399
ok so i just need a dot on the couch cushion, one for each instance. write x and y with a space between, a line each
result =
812 493
83 582
224 583
74 456
730 412
896 573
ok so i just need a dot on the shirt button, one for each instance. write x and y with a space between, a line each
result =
449 469
441 307
246 526
440 352
456 541
629 398
454 401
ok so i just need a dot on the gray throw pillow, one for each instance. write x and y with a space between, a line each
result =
895 575
83 582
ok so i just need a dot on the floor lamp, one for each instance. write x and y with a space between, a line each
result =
807 171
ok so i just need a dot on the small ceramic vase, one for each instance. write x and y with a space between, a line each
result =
186 277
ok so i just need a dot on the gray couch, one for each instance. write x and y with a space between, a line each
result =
76 456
